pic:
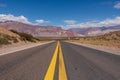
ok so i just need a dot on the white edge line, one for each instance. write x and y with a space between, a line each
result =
12 51
115 53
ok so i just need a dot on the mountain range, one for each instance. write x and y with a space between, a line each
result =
95 31
54 31
38 31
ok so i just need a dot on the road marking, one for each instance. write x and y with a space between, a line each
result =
62 71
51 70
20 48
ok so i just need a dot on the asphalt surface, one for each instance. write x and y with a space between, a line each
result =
81 63
29 64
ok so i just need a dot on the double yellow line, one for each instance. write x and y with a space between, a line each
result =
51 69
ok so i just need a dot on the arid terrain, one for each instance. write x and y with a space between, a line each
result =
11 38
107 42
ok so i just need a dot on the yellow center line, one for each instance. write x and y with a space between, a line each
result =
62 71
51 69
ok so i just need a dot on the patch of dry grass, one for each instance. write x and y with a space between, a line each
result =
111 43
111 40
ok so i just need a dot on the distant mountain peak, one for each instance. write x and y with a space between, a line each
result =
38 31
94 31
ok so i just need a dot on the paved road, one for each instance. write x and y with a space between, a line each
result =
65 61
83 63
30 64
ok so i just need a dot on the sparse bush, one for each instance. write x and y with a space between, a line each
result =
4 41
15 40
26 37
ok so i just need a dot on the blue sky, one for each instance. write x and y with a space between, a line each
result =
66 13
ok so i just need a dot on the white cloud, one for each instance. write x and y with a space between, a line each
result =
117 6
41 21
70 21
10 17
107 23
3 5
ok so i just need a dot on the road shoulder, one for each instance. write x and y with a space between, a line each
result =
12 49
101 48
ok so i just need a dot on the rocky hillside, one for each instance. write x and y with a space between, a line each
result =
7 32
7 37
11 36
38 31
110 36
